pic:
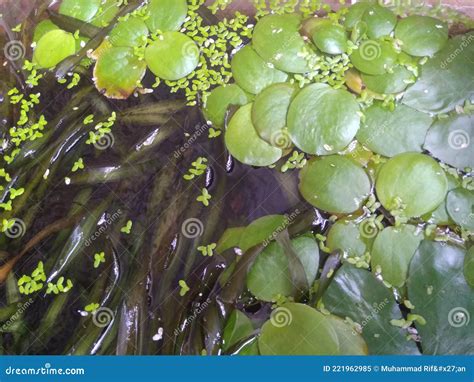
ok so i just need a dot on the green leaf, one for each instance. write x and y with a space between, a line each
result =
42 28
440 215
129 33
389 133
347 237
172 56
237 328
451 140
379 21
166 15
252 73
374 57
83 10
277 40
270 274
357 294
245 145
322 120
230 239
413 182
329 37
297 329
53 47
117 72
350 342
261 230
107 11
421 35
460 207
438 289
446 80
334 184
392 252
468 269
389 83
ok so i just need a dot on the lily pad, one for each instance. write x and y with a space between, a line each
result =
270 275
357 294
469 266
252 73
379 21
322 120
389 133
53 47
269 112
219 101
329 37
334 184
83 10
117 72
297 329
131 32
349 238
374 57
392 252
389 83
438 290
446 80
451 140
411 182
421 35
166 15
277 40
172 56
262 230
460 206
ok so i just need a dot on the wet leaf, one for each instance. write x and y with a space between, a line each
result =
129 33
166 15
460 207
238 327
378 21
469 266
53 47
350 342
230 239
329 37
83 10
349 238
388 83
262 229
374 57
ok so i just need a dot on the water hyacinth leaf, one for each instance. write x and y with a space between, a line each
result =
172 56
42 28
329 37
374 57
357 294
411 182
469 266
440 215
460 206
252 73
219 101
277 40
350 238
392 252
389 133
53 47
107 11
270 275
269 112
421 35
438 290
378 21
334 184
446 80
166 15
389 83
117 72
83 10
297 329
451 140
322 120
129 33
245 145
350 342
237 327
262 230
230 239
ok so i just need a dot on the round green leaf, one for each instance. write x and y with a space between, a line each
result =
166 15
245 145
220 99
374 57
83 10
334 184
354 14
252 73
277 40
451 140
117 72
262 230
380 21
329 37
468 269
390 133
440 215
54 47
413 182
349 238
350 342
107 11
460 206
172 56
270 275
392 252
42 28
131 32
421 35
269 112
297 329
389 83
322 120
